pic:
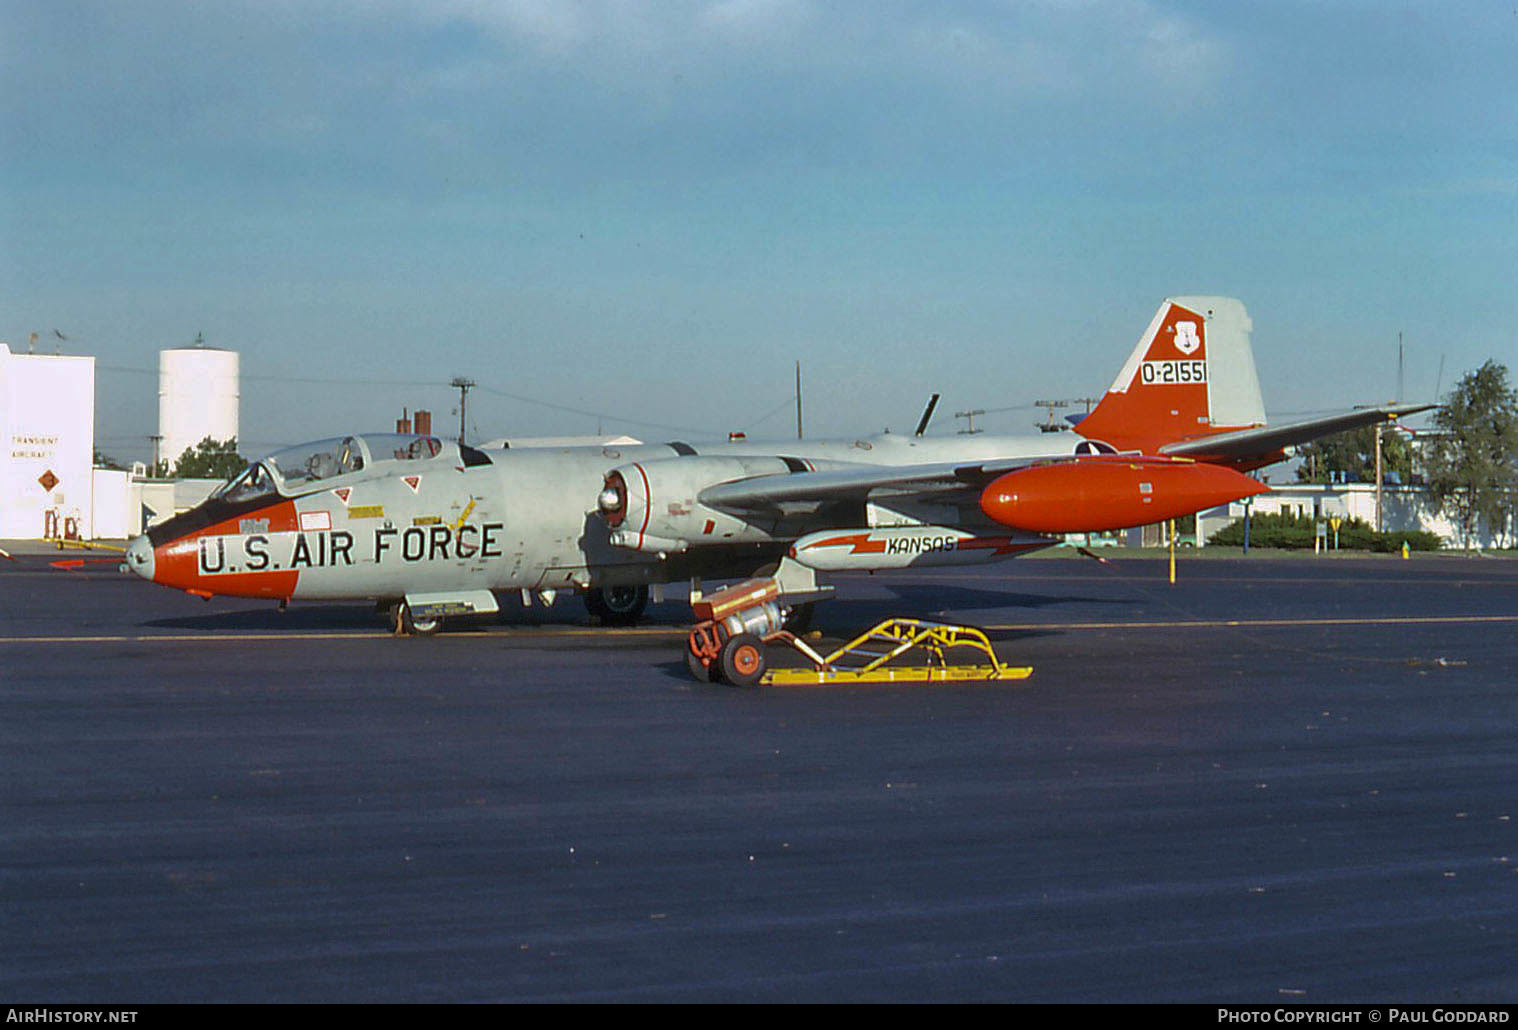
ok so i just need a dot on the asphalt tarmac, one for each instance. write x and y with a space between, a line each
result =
1277 781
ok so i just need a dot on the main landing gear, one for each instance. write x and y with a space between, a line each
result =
617 606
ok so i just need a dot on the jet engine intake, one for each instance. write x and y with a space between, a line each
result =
653 506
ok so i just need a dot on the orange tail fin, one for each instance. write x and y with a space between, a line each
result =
1191 375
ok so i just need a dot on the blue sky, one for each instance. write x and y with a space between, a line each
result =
650 211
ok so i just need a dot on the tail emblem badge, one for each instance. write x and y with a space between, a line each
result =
1186 339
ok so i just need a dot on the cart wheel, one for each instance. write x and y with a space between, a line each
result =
742 660
702 672
703 653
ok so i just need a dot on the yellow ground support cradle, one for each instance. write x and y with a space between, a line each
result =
865 657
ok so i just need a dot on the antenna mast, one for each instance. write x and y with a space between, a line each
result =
463 386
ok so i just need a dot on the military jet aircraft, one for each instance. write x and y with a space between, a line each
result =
431 529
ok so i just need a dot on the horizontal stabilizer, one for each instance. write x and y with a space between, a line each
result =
1261 443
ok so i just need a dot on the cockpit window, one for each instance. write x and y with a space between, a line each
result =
313 462
404 448
303 466
254 481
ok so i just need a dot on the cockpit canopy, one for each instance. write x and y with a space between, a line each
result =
300 468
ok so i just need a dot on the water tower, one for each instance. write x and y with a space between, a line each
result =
198 394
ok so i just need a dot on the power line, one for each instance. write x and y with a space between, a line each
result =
777 409
417 383
608 416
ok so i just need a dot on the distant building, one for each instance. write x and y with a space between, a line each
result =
422 423
1403 508
47 445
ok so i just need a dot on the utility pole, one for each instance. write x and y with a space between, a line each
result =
1049 426
1399 366
798 400
463 386
1379 477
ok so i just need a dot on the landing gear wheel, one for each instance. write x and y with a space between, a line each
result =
410 625
617 606
390 611
742 660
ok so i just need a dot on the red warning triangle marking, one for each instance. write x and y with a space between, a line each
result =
343 493
415 482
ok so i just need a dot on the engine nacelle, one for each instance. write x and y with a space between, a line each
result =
652 506
1095 494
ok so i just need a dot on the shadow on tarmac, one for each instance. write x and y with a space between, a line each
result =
843 616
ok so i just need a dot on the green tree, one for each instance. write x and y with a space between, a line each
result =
1472 464
105 461
210 459
1353 455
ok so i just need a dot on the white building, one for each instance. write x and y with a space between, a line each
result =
1402 508
47 444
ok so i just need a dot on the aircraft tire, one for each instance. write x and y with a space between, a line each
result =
742 660
617 606
414 627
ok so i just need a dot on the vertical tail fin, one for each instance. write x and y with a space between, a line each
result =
1191 375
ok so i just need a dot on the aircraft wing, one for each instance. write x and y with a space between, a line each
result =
1265 440
860 482
863 481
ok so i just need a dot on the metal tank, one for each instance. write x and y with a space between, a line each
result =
198 396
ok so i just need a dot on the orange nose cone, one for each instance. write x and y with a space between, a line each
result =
1093 495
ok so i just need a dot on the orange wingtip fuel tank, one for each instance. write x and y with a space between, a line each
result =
1090 495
